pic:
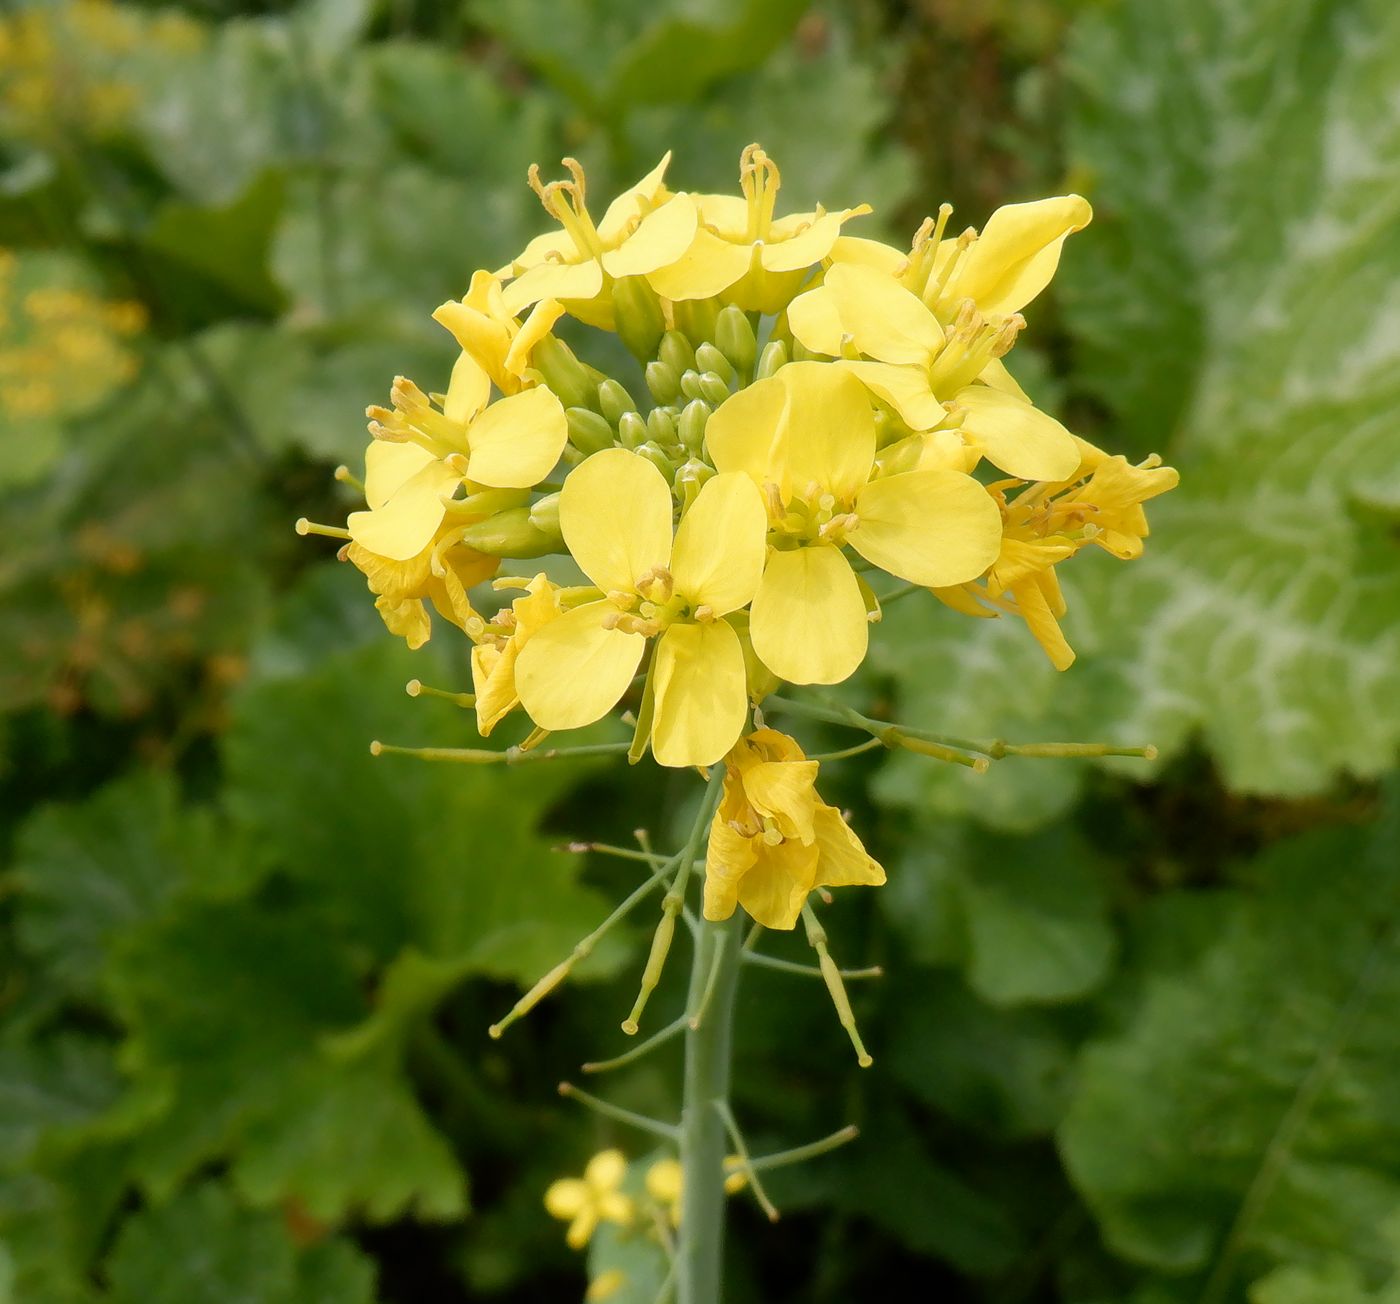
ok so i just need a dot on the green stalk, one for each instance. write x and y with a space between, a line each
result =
700 1253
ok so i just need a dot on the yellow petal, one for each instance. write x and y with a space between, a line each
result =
467 391
829 434
1020 439
633 201
869 253
662 237
774 890
808 622
574 670
745 432
810 245
721 545
615 515
707 268
1018 251
566 1197
934 528
884 319
701 705
485 338
728 857
606 1170
997 376
388 466
1040 620
405 525
785 791
906 389
517 440
844 861
553 281
816 321
555 246
534 328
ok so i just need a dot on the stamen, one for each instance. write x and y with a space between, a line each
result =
346 476
305 527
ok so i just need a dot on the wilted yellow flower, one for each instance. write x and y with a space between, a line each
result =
644 228
741 251
615 512
773 840
594 1198
806 437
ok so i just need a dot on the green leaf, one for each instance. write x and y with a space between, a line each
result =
201 1248
50 1090
1244 1114
612 56
89 872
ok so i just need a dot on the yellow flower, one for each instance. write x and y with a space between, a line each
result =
906 359
773 840
664 1183
806 437
498 343
497 648
644 228
422 454
605 1285
592 1199
740 250
615 514
1046 524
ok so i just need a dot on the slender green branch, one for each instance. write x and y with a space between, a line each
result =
816 935
660 1038
782 1158
666 1131
717 960
745 1164
808 970
487 756
867 746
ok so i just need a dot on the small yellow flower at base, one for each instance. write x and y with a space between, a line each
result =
498 646
605 1286
615 513
773 840
594 1198
665 1181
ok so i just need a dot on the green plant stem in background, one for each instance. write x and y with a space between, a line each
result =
700 1253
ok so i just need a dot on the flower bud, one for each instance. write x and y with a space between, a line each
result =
709 358
774 355
661 427
801 353
664 382
690 384
692 426
564 373
614 400
690 479
657 457
712 388
589 432
632 430
676 352
544 515
637 315
736 340
696 319
511 534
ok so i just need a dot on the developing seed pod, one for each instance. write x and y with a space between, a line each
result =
589 432
614 400
709 358
664 382
632 430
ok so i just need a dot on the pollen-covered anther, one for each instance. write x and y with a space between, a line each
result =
838 527
656 585
704 614
773 501
1006 335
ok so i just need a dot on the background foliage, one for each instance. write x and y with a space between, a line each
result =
1136 1041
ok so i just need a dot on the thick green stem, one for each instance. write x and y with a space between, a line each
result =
700 1254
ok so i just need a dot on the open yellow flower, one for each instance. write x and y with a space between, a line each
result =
421 455
773 840
806 437
498 645
615 514
644 228
498 343
596 1197
742 251
929 376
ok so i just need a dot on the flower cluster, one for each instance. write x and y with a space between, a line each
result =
823 410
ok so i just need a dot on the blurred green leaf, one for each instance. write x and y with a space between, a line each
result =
1245 1112
201 1248
48 1089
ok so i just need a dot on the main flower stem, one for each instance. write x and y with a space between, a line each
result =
714 976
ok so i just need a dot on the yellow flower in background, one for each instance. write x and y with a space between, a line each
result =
806 437
594 1198
422 453
499 344
497 648
644 228
773 840
741 251
665 1183
928 377
615 512
605 1286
